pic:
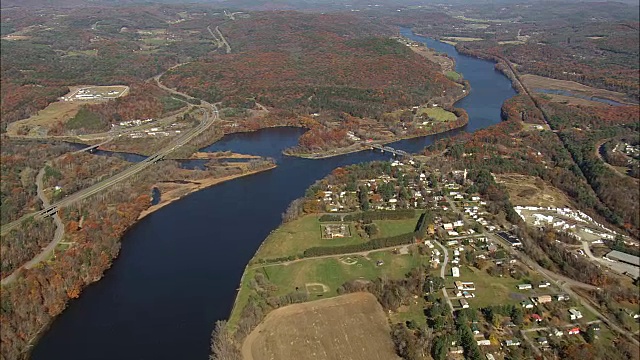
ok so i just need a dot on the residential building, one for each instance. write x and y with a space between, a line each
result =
542 340
544 284
485 342
574 331
456 350
543 299
464 304
455 271
524 286
512 342
574 314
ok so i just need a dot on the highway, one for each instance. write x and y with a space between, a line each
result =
57 237
209 117
132 170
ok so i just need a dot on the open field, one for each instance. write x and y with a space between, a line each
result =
530 191
61 111
298 235
396 227
439 114
331 272
39 124
446 63
495 290
351 326
539 82
335 271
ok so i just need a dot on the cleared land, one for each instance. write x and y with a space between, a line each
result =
298 235
294 237
438 114
446 63
351 326
539 82
531 191
61 111
331 272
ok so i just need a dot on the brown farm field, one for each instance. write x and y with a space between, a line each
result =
540 82
352 326
531 191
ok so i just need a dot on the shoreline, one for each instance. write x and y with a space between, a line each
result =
203 184
168 198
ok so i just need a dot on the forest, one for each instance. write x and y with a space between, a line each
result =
93 230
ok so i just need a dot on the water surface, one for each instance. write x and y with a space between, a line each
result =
179 267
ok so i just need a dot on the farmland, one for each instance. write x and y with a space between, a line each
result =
352 326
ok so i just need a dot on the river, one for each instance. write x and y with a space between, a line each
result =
179 267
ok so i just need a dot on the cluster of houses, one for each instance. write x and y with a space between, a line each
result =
540 299
564 219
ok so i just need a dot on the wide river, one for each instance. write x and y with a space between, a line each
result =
179 268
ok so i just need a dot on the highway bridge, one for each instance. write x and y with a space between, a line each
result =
210 115
396 152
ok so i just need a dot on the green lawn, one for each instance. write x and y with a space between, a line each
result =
491 290
396 227
331 272
438 114
452 75
296 236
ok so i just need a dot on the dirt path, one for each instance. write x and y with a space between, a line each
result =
365 254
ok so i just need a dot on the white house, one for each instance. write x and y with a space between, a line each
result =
455 271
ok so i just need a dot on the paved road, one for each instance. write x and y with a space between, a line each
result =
57 237
210 116
220 41
561 281
566 284
443 269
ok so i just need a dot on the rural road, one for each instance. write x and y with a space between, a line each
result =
443 269
57 237
565 284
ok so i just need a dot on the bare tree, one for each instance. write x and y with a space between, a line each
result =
222 345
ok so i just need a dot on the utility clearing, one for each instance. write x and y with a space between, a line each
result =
352 326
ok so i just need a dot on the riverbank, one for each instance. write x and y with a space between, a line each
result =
191 187
462 121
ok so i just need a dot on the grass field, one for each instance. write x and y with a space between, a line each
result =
438 114
331 272
52 114
396 227
296 236
352 326
494 290
452 75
